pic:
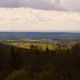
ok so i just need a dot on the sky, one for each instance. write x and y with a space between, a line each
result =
70 5
39 15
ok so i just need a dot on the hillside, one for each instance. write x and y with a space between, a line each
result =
39 35
30 64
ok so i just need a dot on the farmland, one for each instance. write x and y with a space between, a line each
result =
27 43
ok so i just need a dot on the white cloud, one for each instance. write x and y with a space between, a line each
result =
27 19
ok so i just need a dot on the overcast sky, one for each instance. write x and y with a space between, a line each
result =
70 5
27 19
48 15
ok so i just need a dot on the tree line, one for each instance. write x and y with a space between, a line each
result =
34 64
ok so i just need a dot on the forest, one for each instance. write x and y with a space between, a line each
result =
18 63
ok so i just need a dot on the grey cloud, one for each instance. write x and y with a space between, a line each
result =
67 5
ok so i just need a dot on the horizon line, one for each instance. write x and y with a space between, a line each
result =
43 31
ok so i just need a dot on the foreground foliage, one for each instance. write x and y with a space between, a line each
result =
34 64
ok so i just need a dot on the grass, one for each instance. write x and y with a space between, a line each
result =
42 44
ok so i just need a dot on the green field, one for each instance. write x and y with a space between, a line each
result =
41 44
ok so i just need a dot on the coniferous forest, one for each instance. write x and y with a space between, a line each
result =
35 64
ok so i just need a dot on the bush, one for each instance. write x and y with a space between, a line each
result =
18 75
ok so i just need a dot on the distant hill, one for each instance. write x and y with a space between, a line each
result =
39 35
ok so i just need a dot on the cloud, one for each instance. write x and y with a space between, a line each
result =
71 5
68 5
27 19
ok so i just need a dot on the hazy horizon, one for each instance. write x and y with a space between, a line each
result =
55 31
